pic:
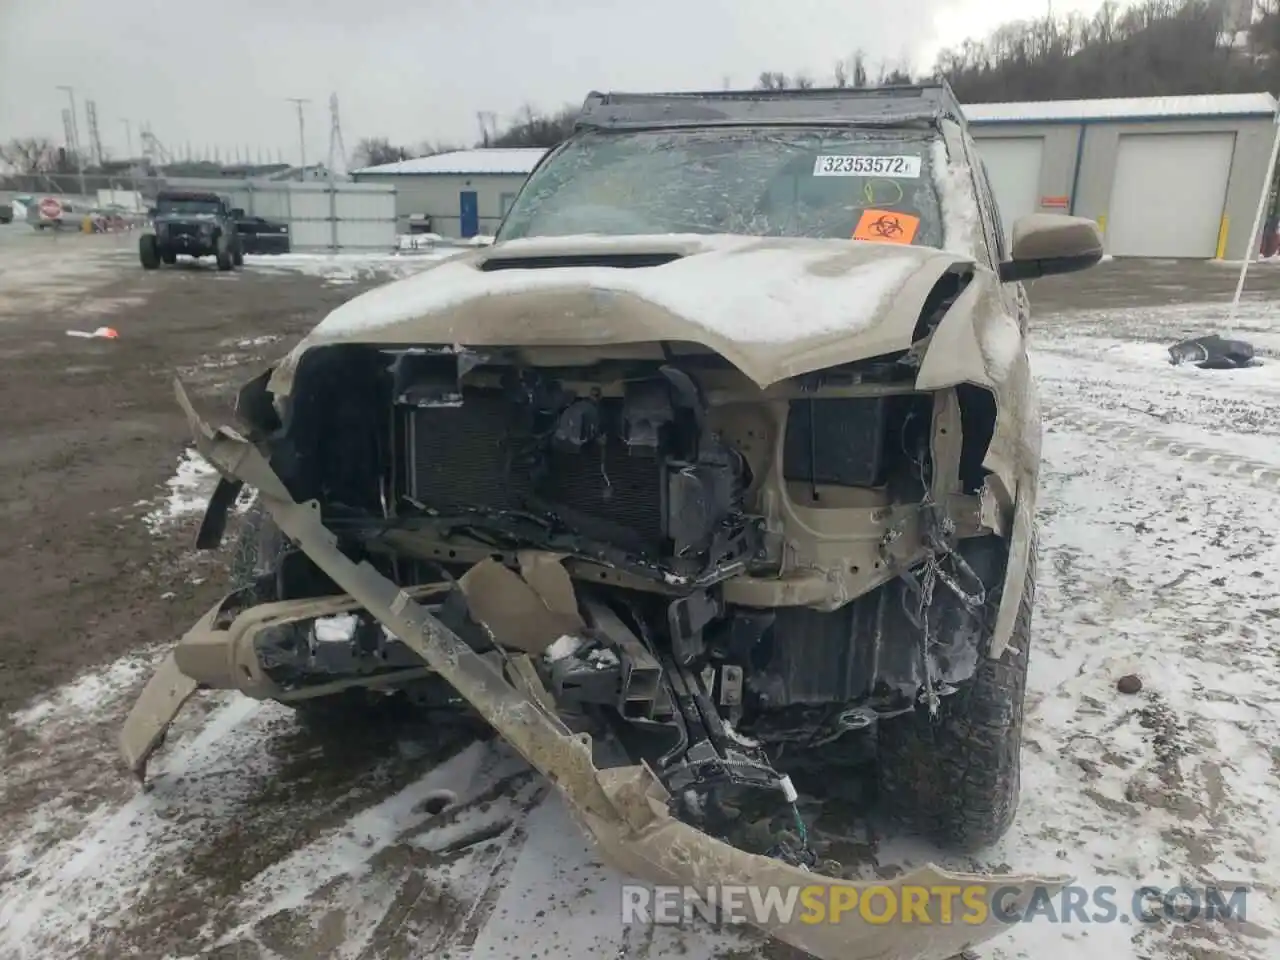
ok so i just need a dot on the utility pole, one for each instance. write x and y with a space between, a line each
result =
302 136
337 148
1252 249
95 138
75 136
133 167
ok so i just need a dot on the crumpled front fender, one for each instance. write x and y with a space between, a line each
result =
625 810
979 343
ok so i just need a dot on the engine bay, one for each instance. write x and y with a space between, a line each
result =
636 478
435 462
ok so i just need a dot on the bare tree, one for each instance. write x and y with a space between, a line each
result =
28 155
859 69
374 151
772 80
892 76
534 129
488 121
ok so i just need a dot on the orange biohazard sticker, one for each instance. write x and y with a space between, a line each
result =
886 226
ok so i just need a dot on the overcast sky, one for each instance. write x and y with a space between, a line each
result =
413 70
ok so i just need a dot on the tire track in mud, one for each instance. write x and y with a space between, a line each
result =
1264 475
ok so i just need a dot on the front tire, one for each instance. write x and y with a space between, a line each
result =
148 252
957 777
225 261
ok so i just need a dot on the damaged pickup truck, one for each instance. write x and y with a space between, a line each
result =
724 454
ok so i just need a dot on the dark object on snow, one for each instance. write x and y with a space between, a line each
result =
1129 684
1212 353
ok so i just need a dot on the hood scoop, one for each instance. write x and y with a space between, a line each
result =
622 260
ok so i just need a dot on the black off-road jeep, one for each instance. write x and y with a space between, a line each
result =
196 224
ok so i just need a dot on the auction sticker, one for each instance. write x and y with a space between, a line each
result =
866 166
886 226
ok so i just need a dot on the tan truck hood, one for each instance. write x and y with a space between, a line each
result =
774 307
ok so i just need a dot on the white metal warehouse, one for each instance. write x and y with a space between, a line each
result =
464 193
1163 176
1176 177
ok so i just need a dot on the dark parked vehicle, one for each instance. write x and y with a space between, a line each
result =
194 224
260 235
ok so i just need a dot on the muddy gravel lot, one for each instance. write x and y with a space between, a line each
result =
92 433
260 839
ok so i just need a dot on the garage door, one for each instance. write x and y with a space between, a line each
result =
1013 165
1168 194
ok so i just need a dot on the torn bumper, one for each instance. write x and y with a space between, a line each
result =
219 652
625 810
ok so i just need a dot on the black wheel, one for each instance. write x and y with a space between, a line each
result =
956 776
225 261
148 252
237 257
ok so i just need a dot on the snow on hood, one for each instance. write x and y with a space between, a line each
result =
760 302
734 286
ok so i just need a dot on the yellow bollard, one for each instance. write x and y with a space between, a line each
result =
1223 230
86 225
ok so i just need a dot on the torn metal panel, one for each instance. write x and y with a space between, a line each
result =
969 347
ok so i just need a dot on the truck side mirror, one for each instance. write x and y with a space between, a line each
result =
1046 243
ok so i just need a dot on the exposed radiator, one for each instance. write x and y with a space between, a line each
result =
463 457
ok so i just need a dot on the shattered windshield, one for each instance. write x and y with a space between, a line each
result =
173 207
771 182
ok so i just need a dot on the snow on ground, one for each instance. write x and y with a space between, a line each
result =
435 242
348 268
189 489
1158 557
